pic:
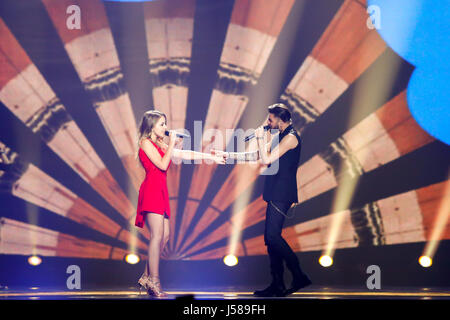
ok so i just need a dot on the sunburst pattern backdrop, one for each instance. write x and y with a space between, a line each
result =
71 100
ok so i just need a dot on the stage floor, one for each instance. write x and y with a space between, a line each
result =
228 293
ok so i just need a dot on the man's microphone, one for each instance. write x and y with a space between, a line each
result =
179 134
253 134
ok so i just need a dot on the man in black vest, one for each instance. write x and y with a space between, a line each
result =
280 192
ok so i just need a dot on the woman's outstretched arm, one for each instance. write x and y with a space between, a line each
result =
195 155
239 156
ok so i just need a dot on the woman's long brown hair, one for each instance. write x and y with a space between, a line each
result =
148 121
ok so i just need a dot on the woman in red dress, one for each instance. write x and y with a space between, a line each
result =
153 202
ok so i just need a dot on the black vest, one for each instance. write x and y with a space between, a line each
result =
282 186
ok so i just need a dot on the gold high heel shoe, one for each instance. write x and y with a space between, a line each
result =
143 283
155 287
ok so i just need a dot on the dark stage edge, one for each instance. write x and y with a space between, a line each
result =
224 293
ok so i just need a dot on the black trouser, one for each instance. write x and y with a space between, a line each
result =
277 247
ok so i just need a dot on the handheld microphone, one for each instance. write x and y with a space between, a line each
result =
253 134
179 134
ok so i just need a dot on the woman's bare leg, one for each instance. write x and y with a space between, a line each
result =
165 234
156 222
145 274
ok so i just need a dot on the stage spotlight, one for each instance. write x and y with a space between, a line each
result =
34 260
132 258
230 260
425 261
325 261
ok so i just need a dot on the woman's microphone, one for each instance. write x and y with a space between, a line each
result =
179 134
253 134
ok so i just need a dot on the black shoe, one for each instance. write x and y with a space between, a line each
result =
298 284
273 290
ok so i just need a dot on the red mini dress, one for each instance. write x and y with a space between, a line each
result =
153 194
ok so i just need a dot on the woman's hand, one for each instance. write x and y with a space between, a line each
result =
172 138
219 153
219 159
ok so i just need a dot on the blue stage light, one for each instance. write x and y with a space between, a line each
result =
417 30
